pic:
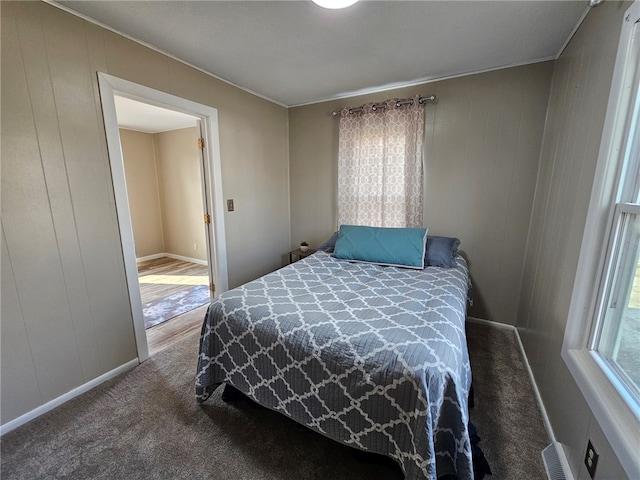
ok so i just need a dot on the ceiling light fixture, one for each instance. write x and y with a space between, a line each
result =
334 4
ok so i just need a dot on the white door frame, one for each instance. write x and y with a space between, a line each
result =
212 177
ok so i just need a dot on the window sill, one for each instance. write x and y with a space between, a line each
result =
617 420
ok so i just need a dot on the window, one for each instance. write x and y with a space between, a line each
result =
615 338
602 340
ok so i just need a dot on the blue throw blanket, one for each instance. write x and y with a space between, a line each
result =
374 357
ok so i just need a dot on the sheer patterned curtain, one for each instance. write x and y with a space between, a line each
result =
380 180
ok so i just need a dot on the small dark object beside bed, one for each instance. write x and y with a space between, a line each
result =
372 356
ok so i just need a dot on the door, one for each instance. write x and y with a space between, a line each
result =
207 219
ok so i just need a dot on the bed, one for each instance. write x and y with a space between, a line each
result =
371 356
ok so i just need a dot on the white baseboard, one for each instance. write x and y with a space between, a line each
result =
543 411
174 256
36 412
503 326
536 391
150 257
186 259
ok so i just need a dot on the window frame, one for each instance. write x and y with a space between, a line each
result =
610 292
619 421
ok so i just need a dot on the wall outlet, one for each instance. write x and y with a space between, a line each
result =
195 246
230 205
591 459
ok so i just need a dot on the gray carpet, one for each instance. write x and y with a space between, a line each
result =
506 413
145 424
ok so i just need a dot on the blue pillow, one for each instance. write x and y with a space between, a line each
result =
400 247
441 251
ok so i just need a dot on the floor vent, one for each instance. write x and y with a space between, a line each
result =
555 462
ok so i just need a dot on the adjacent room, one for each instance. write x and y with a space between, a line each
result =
275 240
163 171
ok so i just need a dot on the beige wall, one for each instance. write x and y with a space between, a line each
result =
577 106
481 159
65 306
165 192
139 156
180 179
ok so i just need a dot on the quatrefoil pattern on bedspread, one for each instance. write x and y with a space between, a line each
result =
374 357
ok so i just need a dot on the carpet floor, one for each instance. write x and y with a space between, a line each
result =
145 424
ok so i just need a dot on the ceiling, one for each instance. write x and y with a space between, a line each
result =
295 53
143 117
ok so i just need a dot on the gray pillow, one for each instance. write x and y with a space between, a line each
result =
441 251
330 244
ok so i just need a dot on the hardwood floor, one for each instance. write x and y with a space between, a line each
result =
163 335
160 278
164 276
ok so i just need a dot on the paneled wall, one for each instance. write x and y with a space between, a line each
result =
65 307
577 106
482 150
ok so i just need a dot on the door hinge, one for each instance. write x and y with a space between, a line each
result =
207 218
212 287
201 143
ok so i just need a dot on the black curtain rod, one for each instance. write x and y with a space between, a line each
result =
399 103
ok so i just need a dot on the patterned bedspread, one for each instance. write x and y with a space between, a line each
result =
373 357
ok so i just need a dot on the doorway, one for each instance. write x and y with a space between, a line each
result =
211 188
162 162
